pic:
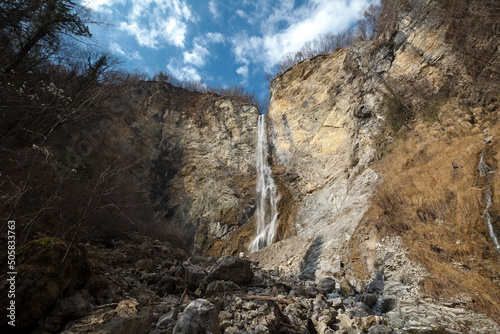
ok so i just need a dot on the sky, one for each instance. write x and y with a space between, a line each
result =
222 42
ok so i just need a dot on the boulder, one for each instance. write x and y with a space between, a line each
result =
346 289
66 309
127 308
192 276
231 268
369 299
145 264
199 317
326 285
380 329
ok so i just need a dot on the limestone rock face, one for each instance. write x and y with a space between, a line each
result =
193 157
326 117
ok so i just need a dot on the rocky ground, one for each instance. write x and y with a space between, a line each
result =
140 285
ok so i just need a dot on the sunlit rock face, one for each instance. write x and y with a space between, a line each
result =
326 113
324 118
195 156
327 121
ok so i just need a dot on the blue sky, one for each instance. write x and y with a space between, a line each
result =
222 42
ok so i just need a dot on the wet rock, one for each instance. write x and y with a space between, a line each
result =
200 316
231 268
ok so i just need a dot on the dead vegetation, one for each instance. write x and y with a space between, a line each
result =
433 197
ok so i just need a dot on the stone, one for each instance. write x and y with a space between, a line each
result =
165 286
190 275
231 268
346 289
336 302
167 319
377 285
145 264
66 309
369 299
380 329
127 308
199 317
261 329
388 304
326 285
151 278
107 322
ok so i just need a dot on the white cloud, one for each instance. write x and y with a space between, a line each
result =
214 37
183 72
155 22
212 7
243 71
100 5
285 29
197 57
116 48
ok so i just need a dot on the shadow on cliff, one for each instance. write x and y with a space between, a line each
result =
310 262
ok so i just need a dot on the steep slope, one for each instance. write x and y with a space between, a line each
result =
379 146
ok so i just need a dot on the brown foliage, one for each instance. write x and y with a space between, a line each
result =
430 197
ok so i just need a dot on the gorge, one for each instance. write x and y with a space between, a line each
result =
364 201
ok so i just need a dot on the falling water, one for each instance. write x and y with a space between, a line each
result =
483 170
267 213
488 219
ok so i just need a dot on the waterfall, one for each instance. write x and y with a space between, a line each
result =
483 170
488 219
267 199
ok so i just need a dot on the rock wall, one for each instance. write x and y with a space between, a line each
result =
328 129
192 154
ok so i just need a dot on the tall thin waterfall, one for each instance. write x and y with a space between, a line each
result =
267 198
483 170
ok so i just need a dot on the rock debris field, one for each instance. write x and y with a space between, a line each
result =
140 285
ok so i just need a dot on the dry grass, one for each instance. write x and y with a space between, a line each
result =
433 197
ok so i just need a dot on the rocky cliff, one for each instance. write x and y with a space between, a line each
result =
191 155
378 145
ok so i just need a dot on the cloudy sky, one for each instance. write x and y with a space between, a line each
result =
222 42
